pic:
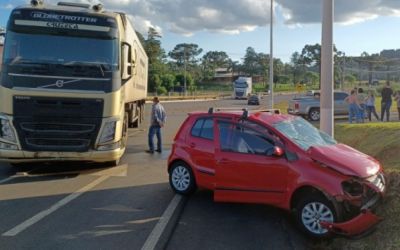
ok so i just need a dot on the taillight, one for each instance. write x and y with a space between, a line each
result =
296 105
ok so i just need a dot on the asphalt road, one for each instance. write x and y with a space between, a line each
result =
82 206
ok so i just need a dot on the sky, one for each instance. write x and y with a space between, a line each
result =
234 25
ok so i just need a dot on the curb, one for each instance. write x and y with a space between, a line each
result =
170 228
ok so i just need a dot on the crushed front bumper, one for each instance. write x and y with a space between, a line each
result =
359 225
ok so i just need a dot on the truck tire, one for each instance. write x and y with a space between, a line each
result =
314 114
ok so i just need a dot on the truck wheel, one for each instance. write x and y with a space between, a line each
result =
181 178
124 138
314 114
310 211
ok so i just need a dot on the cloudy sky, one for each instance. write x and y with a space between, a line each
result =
233 25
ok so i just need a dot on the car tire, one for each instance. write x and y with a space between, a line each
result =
310 211
181 178
314 114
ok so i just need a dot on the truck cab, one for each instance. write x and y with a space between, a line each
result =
73 79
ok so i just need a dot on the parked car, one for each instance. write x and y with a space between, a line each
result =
309 105
253 100
280 160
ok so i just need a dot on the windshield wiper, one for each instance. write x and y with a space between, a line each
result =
100 66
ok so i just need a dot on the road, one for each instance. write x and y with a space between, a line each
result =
91 206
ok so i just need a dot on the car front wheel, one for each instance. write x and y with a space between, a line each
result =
182 179
311 211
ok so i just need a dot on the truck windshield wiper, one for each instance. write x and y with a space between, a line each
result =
100 66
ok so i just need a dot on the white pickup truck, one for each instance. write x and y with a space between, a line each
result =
308 106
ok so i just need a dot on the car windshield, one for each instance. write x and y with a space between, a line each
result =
303 133
60 50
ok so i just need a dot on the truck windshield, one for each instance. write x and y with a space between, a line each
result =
100 54
241 85
303 133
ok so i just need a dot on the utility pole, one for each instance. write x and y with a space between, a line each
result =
184 76
271 58
326 119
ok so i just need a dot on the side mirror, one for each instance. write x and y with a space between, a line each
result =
278 151
126 61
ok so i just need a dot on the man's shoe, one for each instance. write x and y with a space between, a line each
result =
150 151
159 150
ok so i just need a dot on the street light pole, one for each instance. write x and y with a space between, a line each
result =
326 118
184 76
271 58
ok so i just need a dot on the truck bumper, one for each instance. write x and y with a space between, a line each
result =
293 112
18 156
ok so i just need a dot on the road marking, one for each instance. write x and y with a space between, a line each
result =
21 227
7 179
155 235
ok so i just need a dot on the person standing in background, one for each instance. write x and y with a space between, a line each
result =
354 107
370 105
157 121
361 102
397 98
386 101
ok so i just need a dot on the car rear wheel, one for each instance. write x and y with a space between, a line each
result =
311 211
182 179
314 114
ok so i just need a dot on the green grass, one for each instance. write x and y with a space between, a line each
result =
382 141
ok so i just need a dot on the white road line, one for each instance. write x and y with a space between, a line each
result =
21 227
155 235
7 179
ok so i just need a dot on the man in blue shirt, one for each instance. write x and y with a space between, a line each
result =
157 121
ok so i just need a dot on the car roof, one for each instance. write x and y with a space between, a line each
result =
263 116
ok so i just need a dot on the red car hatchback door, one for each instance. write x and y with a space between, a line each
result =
246 169
201 148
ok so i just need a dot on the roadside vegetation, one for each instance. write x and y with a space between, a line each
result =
382 141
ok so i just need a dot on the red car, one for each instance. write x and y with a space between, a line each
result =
280 160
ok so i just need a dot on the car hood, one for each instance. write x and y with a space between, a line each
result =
345 160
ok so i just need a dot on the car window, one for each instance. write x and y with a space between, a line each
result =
339 96
197 127
207 131
237 138
203 128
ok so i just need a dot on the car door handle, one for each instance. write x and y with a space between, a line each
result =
192 145
223 160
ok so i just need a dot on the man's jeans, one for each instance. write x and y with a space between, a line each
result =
385 109
155 129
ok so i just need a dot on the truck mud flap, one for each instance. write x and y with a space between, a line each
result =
359 225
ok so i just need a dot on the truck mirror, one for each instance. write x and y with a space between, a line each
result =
126 61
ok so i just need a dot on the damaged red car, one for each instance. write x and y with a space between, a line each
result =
280 160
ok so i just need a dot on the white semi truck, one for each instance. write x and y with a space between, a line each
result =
242 87
73 79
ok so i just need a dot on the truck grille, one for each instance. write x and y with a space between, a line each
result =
57 124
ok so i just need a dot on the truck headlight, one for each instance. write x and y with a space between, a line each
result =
108 133
6 131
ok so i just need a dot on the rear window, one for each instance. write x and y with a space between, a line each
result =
203 128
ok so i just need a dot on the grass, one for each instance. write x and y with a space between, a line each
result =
382 141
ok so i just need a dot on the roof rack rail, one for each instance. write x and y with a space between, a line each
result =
244 115
273 111
79 5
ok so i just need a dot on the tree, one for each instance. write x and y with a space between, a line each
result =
185 53
251 62
213 60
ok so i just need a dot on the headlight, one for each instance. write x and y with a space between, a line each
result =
6 131
354 188
108 133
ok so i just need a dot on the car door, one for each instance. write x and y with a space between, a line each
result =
341 106
201 148
246 170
